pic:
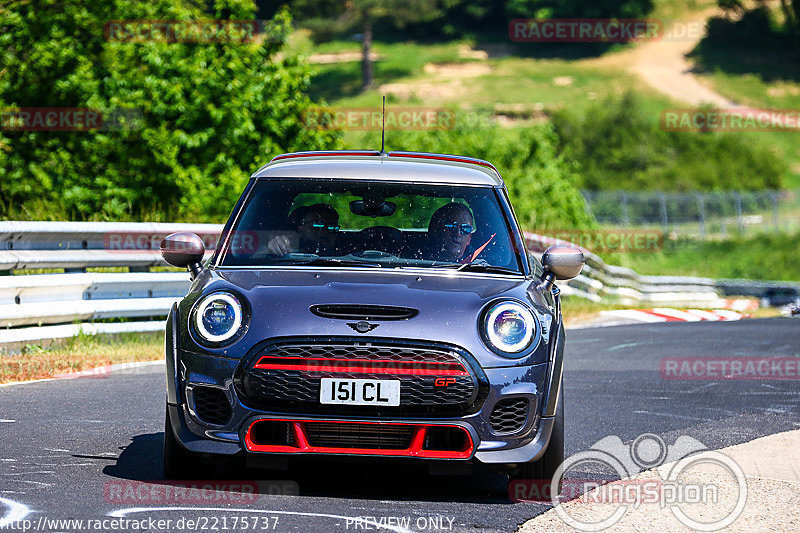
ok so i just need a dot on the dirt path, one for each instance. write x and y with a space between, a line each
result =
663 64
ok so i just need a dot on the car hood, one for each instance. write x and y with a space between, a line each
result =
449 303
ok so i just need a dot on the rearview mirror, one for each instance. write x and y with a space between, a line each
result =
372 207
183 250
561 262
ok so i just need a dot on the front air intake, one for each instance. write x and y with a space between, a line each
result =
363 312
428 441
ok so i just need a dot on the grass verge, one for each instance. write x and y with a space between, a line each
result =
82 352
576 310
761 257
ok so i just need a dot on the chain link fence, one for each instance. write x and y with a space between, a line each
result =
707 214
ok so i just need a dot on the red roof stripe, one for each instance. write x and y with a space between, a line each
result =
412 155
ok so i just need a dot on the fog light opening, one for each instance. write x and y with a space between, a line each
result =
446 439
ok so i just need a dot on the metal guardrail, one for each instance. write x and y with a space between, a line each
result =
47 306
35 307
600 281
78 245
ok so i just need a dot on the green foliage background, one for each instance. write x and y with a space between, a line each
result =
620 146
541 183
212 113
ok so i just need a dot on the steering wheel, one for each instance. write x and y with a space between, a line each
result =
373 254
379 237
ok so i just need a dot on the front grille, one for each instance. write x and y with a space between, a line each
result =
509 415
211 405
374 436
366 350
287 377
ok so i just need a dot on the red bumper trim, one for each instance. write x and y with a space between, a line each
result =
361 366
415 449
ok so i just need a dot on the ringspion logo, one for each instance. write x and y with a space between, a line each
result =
648 471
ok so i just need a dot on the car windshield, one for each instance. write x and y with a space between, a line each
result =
390 225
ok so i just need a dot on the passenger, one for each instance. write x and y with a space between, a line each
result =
317 228
450 232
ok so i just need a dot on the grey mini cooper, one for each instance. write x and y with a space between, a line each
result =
367 303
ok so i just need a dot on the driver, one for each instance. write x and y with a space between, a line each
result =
450 232
316 225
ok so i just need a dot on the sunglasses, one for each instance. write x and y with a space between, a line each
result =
464 229
317 226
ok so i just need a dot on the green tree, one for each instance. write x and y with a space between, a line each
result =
789 8
362 15
620 145
402 12
211 112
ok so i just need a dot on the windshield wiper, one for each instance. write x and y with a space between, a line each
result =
478 267
333 261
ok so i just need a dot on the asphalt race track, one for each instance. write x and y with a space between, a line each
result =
65 444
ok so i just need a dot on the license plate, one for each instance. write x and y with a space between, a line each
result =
360 391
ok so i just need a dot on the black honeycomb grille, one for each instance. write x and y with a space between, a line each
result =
509 415
211 405
368 352
290 389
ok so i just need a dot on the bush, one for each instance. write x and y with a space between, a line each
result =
620 146
211 113
541 184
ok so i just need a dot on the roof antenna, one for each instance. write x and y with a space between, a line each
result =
383 126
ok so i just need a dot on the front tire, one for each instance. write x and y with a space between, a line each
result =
545 467
179 463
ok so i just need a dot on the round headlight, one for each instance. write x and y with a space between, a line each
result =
509 327
218 317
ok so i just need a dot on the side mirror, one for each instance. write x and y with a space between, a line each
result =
183 250
560 262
